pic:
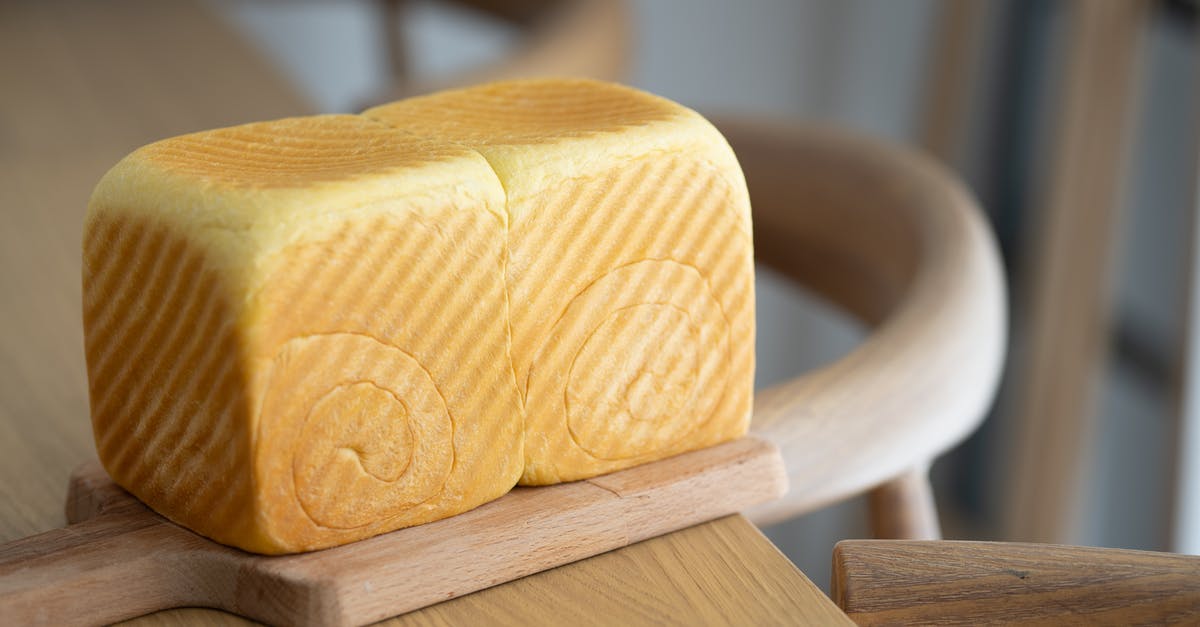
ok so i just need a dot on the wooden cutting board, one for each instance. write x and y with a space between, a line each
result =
118 559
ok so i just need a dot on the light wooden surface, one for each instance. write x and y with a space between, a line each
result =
701 572
1071 269
894 239
702 575
977 583
85 83
121 560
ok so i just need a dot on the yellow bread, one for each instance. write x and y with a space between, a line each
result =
305 332
630 271
293 331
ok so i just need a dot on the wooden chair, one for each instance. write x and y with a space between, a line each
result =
977 583
897 242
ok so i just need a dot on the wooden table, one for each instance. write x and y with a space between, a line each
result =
81 84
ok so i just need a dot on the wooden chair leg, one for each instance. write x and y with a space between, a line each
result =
903 508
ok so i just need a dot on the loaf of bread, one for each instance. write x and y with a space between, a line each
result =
306 332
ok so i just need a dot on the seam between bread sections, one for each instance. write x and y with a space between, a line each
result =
512 369
506 253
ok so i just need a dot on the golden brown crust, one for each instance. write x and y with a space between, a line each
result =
399 316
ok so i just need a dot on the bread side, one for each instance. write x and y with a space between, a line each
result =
296 331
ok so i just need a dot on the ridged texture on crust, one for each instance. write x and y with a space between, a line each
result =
630 267
292 339
167 385
309 331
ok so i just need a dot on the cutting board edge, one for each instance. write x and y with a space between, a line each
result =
524 532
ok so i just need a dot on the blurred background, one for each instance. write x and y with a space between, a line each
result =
1074 123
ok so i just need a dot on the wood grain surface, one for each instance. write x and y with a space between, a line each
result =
703 572
719 573
121 560
975 583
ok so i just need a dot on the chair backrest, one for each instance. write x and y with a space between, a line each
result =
896 241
